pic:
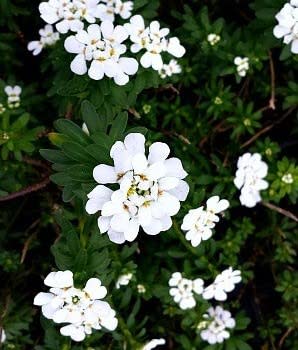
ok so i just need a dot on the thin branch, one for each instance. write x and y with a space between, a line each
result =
283 338
257 135
280 211
267 128
272 75
27 190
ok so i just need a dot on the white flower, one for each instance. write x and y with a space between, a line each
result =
123 280
141 289
217 322
199 222
223 284
287 26
69 14
150 192
287 179
2 109
85 129
182 290
213 39
102 46
153 40
3 335
47 38
13 96
153 344
242 64
168 70
249 178
110 8
81 309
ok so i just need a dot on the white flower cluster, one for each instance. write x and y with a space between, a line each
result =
183 289
81 309
242 65
223 284
287 26
249 178
213 39
169 69
47 38
124 280
103 47
199 222
153 40
68 15
3 336
13 96
217 321
109 8
153 344
150 192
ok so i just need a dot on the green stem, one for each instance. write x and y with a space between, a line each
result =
183 241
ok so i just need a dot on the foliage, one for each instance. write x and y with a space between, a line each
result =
209 116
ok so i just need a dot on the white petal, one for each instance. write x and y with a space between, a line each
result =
105 174
78 65
96 70
42 298
116 237
129 65
95 289
294 47
170 203
158 151
135 143
174 168
139 163
132 230
76 333
103 224
72 45
181 191
60 279
119 222
168 183
146 60
154 228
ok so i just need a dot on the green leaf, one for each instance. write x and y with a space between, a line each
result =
72 130
93 121
119 126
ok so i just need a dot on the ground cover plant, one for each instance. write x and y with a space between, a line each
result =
148 174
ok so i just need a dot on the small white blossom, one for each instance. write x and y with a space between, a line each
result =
109 8
150 192
213 39
152 344
168 70
3 335
287 179
223 284
183 289
249 178
81 309
153 40
242 65
141 289
2 108
13 96
217 322
85 129
47 38
199 222
123 280
68 15
103 47
287 26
